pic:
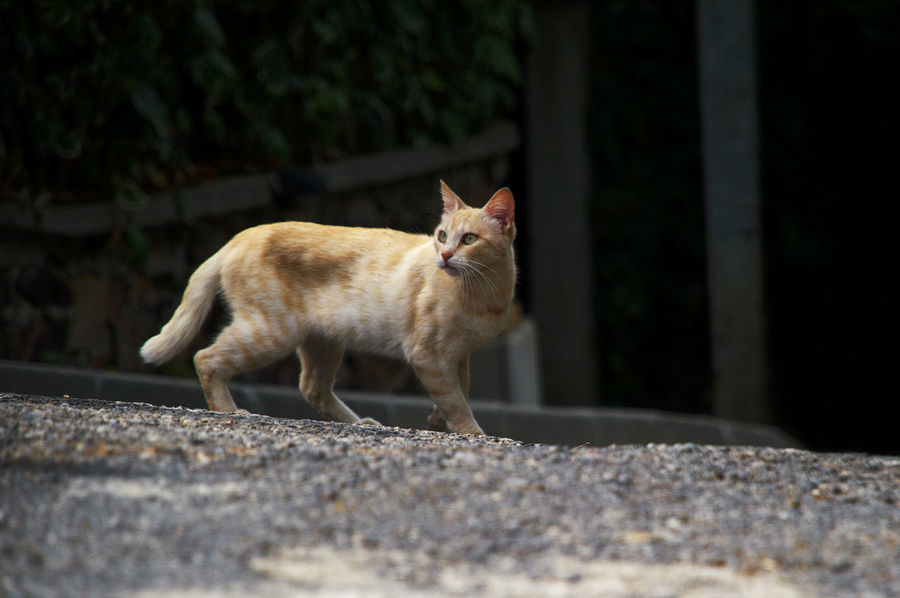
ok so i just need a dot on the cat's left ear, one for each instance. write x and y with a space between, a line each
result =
452 202
502 208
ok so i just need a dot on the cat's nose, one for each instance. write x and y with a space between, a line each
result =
446 255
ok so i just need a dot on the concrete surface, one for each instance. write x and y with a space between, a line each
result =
128 499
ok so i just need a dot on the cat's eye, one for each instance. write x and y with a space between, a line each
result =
442 236
469 238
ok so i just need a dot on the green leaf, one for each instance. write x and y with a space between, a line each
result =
214 74
68 146
147 102
54 15
215 124
149 35
500 56
432 80
527 24
138 244
454 126
273 140
209 27
410 17
129 196
273 69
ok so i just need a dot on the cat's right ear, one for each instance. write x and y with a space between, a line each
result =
452 202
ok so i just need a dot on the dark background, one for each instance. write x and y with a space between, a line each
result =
829 132
101 103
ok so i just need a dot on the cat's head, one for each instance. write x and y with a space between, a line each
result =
476 238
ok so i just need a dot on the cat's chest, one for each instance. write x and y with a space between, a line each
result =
463 328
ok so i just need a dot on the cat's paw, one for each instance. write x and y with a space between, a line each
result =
241 412
436 421
368 421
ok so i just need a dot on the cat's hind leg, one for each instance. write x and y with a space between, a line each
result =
240 347
319 363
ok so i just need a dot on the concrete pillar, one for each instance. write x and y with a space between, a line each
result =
731 186
558 181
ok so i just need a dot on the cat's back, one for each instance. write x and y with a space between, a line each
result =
303 241
318 252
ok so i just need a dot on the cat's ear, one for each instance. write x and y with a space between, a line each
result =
502 208
452 202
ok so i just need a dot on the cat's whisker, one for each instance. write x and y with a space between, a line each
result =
476 281
469 291
484 282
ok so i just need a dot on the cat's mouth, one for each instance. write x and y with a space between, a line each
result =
448 268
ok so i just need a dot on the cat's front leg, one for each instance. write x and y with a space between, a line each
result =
436 421
443 384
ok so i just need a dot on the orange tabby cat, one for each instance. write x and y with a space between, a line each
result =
322 289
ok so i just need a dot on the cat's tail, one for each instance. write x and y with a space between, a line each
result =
189 316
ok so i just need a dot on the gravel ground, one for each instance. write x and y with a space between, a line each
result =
127 499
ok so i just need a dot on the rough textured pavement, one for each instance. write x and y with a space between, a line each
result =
127 499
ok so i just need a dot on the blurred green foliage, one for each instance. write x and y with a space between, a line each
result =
102 97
